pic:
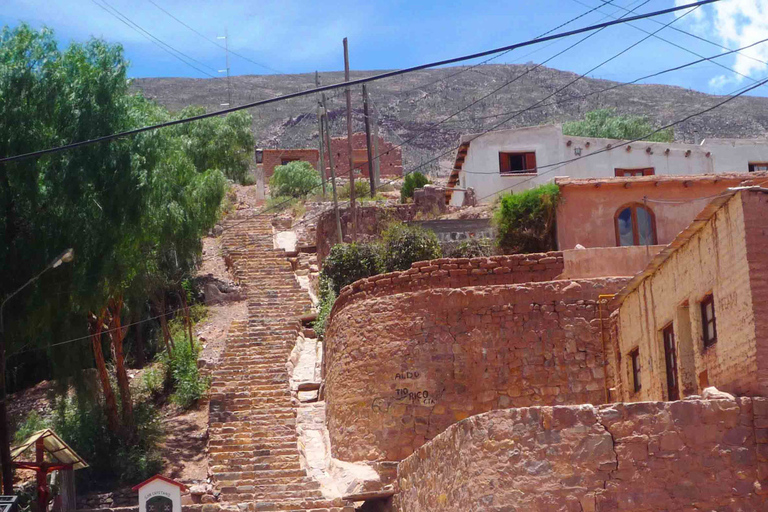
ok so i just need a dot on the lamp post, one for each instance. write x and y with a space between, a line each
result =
5 447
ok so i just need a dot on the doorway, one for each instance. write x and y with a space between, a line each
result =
670 356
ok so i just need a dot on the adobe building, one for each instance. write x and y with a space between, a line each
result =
697 316
271 158
390 157
518 159
635 211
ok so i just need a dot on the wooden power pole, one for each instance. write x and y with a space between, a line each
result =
327 125
348 93
320 135
368 145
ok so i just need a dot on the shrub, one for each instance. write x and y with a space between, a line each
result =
83 426
346 263
280 203
472 248
152 382
188 385
327 298
525 221
295 179
412 181
405 244
32 423
606 123
362 190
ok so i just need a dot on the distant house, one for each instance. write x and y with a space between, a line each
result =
390 157
271 158
518 159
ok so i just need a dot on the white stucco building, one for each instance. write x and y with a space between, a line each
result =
522 158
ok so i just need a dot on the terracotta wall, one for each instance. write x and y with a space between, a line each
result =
691 455
585 214
274 157
401 368
607 261
455 273
390 157
714 260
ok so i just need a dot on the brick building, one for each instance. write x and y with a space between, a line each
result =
697 316
390 160
271 158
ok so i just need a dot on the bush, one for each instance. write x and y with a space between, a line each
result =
188 385
280 203
472 248
152 382
405 244
362 190
347 263
412 181
526 221
32 423
83 426
327 298
295 179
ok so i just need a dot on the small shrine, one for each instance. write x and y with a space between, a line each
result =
160 494
50 454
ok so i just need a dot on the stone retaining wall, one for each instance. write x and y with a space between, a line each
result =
456 273
650 456
401 368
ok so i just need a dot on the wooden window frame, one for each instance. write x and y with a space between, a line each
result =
635 232
705 321
668 334
529 157
634 364
632 173
752 166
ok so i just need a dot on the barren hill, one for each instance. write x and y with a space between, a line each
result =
412 103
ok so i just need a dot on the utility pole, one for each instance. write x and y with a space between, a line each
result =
226 52
320 136
348 93
333 169
376 157
368 145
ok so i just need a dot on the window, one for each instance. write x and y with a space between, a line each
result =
634 357
635 225
647 171
517 163
670 358
259 156
285 161
758 166
708 323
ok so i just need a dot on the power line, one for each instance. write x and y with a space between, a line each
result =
358 81
213 42
157 41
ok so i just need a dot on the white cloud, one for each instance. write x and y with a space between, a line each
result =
735 23
719 82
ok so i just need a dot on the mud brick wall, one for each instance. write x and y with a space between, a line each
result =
650 456
402 368
271 158
390 157
456 273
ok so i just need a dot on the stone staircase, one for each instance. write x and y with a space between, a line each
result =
254 456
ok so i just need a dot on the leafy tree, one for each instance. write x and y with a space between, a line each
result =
133 209
606 123
411 182
525 221
347 263
405 244
294 179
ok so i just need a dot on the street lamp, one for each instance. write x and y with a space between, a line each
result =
5 447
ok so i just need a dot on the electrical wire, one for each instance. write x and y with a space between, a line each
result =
157 41
215 42
351 83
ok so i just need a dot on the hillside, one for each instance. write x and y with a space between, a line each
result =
410 103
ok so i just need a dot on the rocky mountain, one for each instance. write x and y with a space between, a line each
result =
408 106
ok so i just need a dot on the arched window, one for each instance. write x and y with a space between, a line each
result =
635 225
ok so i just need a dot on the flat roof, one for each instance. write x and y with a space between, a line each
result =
661 178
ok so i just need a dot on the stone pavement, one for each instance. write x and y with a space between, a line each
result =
254 457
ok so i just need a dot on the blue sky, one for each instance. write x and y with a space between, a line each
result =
295 36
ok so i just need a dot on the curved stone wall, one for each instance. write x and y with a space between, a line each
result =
691 455
456 273
402 368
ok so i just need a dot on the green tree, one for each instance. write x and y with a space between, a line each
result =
294 179
608 124
525 222
405 244
411 182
